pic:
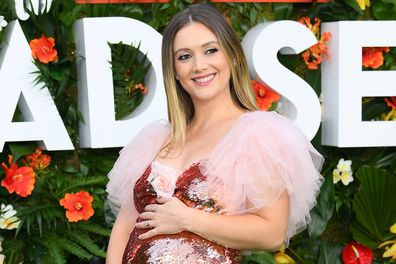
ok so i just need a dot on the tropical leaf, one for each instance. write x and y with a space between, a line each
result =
330 254
78 183
93 228
322 212
70 246
374 206
85 241
258 257
56 254
129 68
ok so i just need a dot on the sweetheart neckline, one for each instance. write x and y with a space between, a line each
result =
215 147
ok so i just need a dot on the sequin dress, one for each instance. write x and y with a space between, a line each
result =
185 247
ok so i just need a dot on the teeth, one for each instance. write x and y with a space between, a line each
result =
205 79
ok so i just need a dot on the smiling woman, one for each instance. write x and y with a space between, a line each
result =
219 166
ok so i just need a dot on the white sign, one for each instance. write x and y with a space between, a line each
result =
302 104
343 83
17 83
95 81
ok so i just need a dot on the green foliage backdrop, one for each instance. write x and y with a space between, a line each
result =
362 211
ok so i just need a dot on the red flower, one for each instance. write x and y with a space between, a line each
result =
78 206
373 57
37 161
265 96
43 49
18 179
318 52
391 102
355 253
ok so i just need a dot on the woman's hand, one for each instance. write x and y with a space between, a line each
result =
168 217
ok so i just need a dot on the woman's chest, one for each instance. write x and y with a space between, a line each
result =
189 185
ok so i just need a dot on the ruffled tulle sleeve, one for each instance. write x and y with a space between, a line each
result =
131 164
263 155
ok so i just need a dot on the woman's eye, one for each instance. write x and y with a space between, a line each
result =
184 57
211 51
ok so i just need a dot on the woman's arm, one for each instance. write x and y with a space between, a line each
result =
264 229
120 233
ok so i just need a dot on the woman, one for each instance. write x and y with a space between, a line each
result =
221 176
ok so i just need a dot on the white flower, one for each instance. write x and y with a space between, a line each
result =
3 23
163 185
2 257
8 220
343 172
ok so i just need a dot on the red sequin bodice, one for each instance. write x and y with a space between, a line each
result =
184 247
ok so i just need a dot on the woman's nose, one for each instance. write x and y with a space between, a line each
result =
200 63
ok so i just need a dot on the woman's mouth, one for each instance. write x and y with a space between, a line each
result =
204 80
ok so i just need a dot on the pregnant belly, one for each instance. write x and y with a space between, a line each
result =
182 248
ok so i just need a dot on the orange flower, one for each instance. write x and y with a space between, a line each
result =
373 57
141 87
18 179
134 87
318 52
43 49
37 161
391 102
265 96
306 21
78 206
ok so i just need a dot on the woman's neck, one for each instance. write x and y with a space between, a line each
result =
210 113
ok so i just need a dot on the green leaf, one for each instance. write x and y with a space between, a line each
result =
69 246
56 254
258 257
93 228
85 241
374 206
323 210
354 5
313 79
384 9
82 182
283 11
19 150
330 254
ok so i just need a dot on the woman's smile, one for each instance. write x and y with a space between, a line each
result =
204 80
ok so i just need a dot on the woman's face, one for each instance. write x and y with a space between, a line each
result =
201 65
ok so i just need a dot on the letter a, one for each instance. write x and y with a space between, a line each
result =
17 83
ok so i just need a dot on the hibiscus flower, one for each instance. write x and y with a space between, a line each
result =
265 96
20 180
78 206
43 49
373 57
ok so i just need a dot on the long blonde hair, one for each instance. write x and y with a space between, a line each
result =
180 105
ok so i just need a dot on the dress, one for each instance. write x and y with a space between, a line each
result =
262 155
184 247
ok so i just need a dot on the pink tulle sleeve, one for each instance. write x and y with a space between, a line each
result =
131 164
263 155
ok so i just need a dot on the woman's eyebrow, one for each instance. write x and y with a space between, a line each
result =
203 45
